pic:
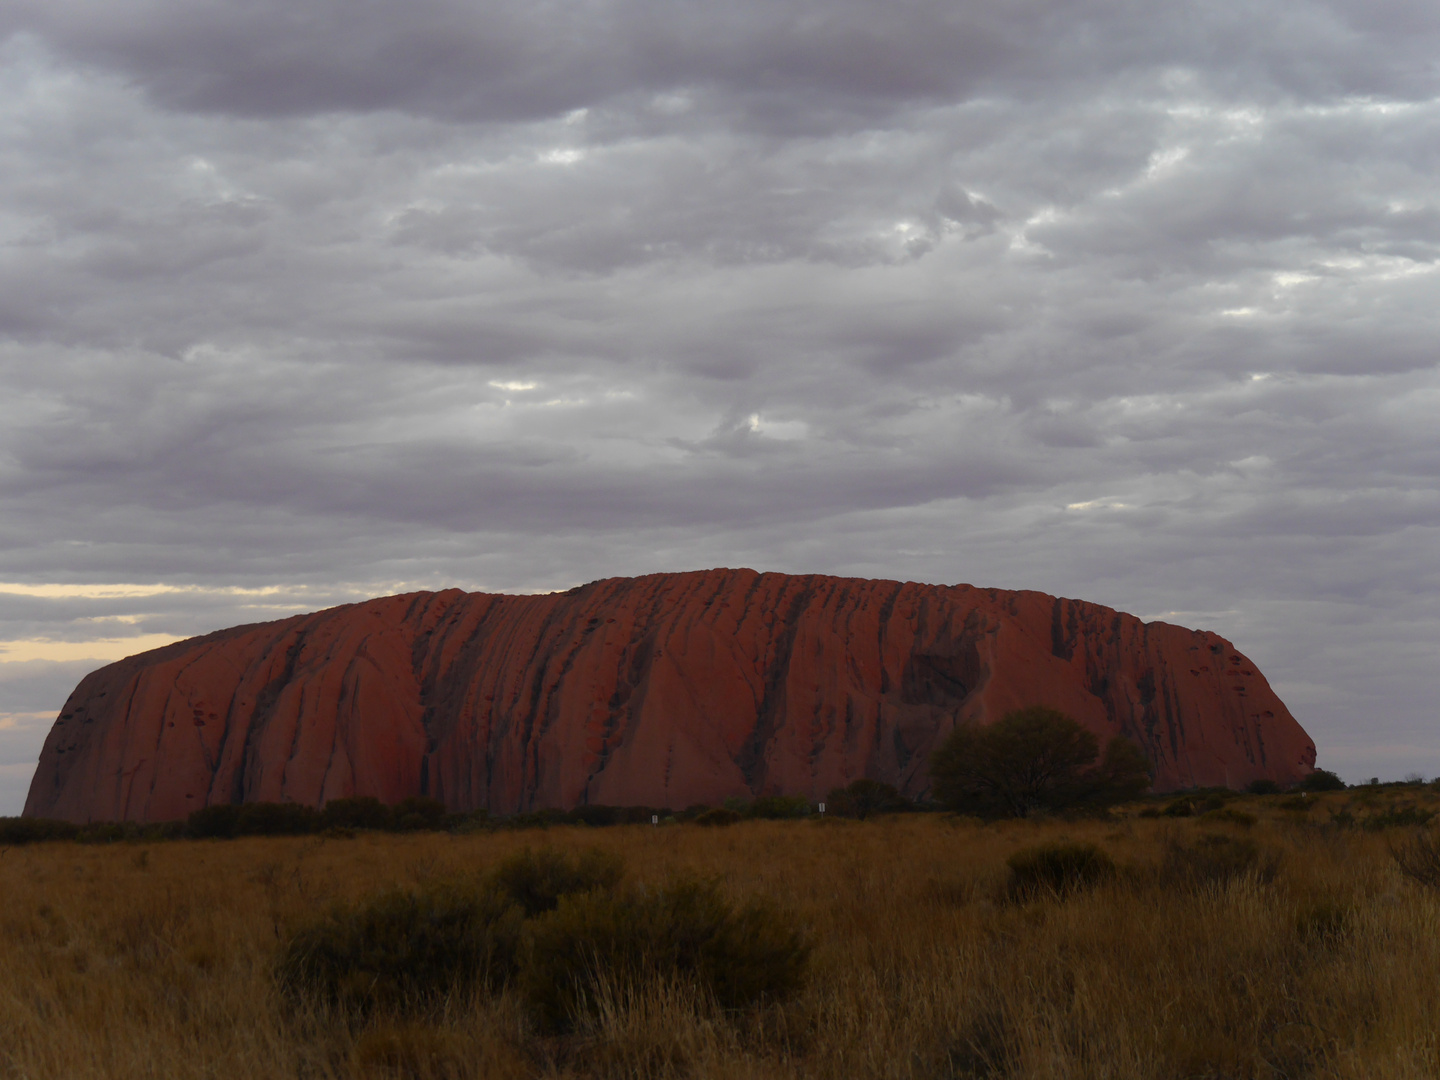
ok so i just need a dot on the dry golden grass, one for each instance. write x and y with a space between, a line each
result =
155 961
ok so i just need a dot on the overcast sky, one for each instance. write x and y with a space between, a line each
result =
303 301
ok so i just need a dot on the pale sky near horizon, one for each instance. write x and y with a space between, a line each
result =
310 301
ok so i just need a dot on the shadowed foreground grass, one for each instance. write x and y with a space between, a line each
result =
1309 956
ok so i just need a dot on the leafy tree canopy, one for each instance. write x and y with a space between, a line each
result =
1033 759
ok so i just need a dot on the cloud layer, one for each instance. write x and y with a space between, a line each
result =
1129 304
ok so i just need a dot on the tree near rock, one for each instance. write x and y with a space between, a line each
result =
866 798
1032 760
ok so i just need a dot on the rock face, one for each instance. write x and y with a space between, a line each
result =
666 690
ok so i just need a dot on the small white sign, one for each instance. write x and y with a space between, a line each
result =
654 819
822 808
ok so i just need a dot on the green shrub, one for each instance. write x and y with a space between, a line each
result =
597 816
641 815
721 815
778 807
360 812
1321 780
470 821
865 798
1057 869
1263 786
597 943
213 822
418 813
534 819
26 830
404 949
107 832
536 880
276 819
1216 859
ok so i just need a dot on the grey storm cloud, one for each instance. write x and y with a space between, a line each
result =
304 302
524 61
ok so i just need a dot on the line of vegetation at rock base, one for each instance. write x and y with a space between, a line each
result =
859 800
344 816
1034 760
902 947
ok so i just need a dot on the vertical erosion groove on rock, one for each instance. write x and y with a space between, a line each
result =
665 690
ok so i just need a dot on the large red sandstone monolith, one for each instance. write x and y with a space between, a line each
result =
666 690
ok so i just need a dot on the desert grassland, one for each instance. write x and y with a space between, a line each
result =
156 960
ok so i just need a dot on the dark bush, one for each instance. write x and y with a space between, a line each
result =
1057 869
641 815
1321 780
1229 815
470 821
213 822
866 798
360 812
778 807
1216 859
404 950
1419 858
1397 817
597 816
1123 775
1197 802
417 813
1343 818
1263 786
536 880
721 815
535 819
1035 759
599 943
1324 921
26 830
106 832
276 819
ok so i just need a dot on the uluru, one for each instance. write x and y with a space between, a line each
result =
662 690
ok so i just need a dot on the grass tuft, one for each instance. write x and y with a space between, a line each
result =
596 945
404 950
1057 869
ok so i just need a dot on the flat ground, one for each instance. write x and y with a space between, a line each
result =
156 960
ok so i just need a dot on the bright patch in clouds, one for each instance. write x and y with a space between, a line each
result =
63 591
777 429
101 649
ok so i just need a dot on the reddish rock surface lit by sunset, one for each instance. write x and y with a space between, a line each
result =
665 690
